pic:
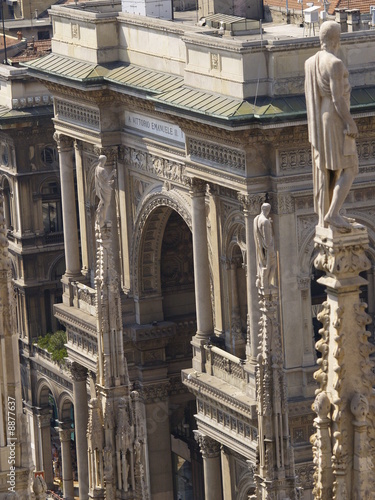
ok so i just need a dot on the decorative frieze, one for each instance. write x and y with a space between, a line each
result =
42 370
294 159
74 113
155 165
215 153
229 421
282 204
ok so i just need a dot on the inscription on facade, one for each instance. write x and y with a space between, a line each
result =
153 126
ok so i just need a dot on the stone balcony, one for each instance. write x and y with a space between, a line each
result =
81 325
225 411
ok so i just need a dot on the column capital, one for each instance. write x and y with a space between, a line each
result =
78 145
196 186
111 152
208 446
64 143
251 203
44 418
65 434
79 373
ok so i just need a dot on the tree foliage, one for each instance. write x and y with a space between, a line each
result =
54 343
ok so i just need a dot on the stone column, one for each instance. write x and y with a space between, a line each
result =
66 459
45 453
81 206
79 376
226 475
123 214
210 450
237 340
72 262
201 272
214 216
345 375
304 284
251 208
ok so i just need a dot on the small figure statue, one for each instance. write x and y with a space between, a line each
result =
40 488
332 130
103 187
265 251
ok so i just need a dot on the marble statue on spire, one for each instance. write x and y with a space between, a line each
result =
332 130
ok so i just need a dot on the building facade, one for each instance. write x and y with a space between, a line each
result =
198 130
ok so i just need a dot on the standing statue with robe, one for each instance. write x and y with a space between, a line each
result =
103 188
332 130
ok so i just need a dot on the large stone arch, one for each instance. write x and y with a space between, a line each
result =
149 229
64 405
43 388
148 233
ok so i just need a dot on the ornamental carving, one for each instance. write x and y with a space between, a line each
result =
294 159
74 113
342 261
251 202
366 151
196 186
111 153
79 373
155 165
155 393
208 446
217 154
322 346
64 143
282 204
305 227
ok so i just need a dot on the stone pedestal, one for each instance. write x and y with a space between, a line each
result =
344 402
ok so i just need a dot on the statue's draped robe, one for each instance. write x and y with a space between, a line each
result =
330 151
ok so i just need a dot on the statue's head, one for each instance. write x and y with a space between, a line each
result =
329 34
266 209
102 159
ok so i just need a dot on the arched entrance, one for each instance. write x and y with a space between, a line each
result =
56 440
177 268
164 295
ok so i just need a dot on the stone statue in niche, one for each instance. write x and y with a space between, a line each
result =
265 250
332 130
103 188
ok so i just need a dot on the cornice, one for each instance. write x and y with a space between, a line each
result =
200 386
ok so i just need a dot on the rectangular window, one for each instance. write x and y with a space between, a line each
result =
52 222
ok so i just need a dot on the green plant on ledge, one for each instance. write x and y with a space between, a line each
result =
54 343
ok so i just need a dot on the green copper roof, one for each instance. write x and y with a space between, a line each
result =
122 74
169 91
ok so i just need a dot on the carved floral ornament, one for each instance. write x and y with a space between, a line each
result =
64 143
208 446
252 202
342 260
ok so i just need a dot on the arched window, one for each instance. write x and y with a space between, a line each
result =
51 207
